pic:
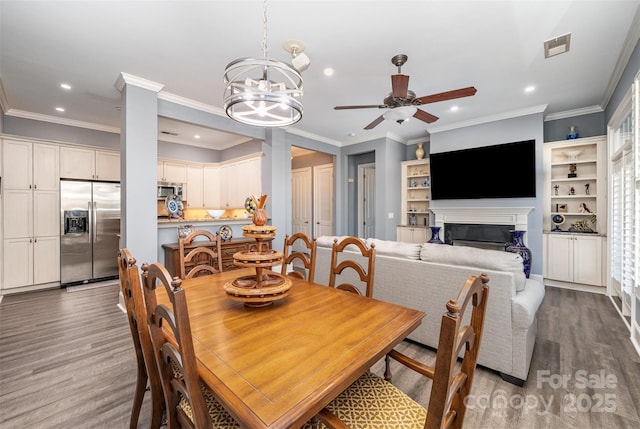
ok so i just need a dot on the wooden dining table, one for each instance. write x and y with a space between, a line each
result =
277 366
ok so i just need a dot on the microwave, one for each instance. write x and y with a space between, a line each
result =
166 189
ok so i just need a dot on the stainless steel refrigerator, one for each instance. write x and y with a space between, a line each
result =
90 230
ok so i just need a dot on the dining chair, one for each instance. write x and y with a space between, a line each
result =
373 402
147 371
196 259
189 402
306 257
341 261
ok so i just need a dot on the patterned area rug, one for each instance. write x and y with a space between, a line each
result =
95 285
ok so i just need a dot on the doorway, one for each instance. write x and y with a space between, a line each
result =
312 193
366 200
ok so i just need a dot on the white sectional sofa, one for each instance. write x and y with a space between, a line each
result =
426 276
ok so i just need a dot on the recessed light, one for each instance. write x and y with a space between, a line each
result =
352 134
530 88
60 109
454 108
197 136
328 71
65 86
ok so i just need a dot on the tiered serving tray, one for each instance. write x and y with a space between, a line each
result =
266 286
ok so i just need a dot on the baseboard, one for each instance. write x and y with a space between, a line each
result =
576 286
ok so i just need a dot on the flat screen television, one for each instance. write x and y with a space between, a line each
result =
499 171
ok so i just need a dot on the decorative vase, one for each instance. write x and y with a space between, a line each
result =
259 217
573 133
435 235
517 246
419 151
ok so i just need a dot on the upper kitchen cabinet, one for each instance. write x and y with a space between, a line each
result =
30 166
172 171
89 164
239 180
194 186
211 186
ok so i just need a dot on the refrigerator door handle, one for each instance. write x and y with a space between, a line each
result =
95 222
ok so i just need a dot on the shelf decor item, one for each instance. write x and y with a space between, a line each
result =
517 246
435 235
573 133
558 220
419 151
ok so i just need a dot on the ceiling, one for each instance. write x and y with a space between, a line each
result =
496 46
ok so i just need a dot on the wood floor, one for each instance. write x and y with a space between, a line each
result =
67 361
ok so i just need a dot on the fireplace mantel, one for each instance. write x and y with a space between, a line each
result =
517 216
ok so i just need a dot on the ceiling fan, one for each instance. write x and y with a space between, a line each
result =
403 103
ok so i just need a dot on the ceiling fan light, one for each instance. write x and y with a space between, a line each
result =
401 113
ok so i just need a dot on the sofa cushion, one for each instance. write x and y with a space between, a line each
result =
396 248
476 257
327 241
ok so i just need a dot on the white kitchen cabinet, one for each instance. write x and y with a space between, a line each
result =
410 234
239 180
29 165
33 260
172 171
89 164
30 214
574 259
211 186
108 165
194 186
229 187
249 178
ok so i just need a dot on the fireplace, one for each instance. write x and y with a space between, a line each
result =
487 227
488 236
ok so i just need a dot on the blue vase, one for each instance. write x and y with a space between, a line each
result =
517 246
435 235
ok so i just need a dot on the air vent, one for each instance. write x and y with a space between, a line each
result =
557 45
169 133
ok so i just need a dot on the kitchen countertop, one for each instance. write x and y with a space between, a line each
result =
166 223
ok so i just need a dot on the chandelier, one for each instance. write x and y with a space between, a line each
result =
263 91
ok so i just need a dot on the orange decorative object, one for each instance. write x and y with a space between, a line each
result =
266 286
260 215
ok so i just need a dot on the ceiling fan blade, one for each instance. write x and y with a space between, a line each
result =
448 95
424 116
367 106
374 123
399 85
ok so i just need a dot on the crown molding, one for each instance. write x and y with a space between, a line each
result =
491 118
627 50
187 102
129 79
575 112
61 121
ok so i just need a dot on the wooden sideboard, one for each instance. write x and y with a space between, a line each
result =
229 248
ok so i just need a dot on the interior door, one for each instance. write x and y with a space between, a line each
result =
366 200
301 196
323 199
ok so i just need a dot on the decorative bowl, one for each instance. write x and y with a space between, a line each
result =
215 213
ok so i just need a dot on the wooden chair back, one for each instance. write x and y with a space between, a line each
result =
340 264
146 364
452 380
197 259
307 258
173 346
